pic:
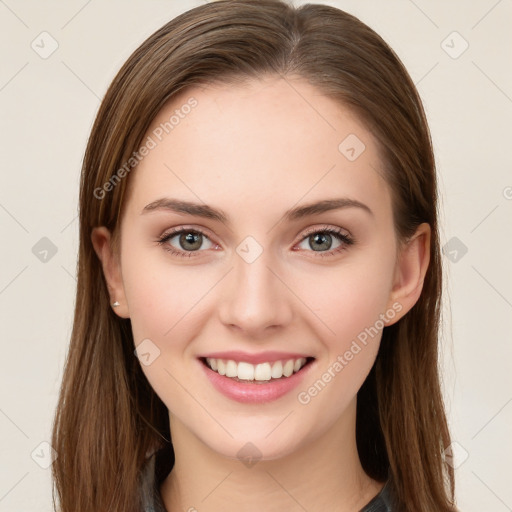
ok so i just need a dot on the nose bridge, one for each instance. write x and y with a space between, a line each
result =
255 297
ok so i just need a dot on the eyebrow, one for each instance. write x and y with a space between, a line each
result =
208 212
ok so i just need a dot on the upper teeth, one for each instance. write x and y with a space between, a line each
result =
261 371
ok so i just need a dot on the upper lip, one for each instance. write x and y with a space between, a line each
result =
262 357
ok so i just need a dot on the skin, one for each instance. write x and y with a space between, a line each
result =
255 151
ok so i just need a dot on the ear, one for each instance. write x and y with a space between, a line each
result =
102 243
410 270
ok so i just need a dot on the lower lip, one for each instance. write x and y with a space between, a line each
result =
251 392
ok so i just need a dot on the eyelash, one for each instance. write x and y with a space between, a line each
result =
342 237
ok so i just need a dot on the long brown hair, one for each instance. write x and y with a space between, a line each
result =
108 418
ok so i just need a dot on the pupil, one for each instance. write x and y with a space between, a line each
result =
191 238
324 238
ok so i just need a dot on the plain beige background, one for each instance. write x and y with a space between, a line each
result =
458 54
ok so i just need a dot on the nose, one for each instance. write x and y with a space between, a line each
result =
255 299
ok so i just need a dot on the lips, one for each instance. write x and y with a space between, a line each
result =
255 378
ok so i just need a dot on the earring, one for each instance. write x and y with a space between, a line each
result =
115 304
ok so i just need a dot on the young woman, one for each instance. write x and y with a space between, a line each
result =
259 277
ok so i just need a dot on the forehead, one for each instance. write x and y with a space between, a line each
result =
280 141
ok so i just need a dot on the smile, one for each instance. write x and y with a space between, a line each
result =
264 381
256 372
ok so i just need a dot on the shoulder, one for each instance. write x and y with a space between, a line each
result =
383 502
152 474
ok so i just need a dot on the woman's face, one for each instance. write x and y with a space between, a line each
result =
255 278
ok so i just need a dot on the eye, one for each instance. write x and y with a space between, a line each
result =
186 244
321 240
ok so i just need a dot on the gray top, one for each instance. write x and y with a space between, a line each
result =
152 500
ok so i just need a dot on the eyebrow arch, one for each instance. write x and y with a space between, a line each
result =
203 210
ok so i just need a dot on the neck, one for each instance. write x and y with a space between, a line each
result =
324 474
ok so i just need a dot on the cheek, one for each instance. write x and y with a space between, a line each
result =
164 302
346 300
351 302
351 309
161 296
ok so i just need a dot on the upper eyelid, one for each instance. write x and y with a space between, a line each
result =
325 227
184 229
